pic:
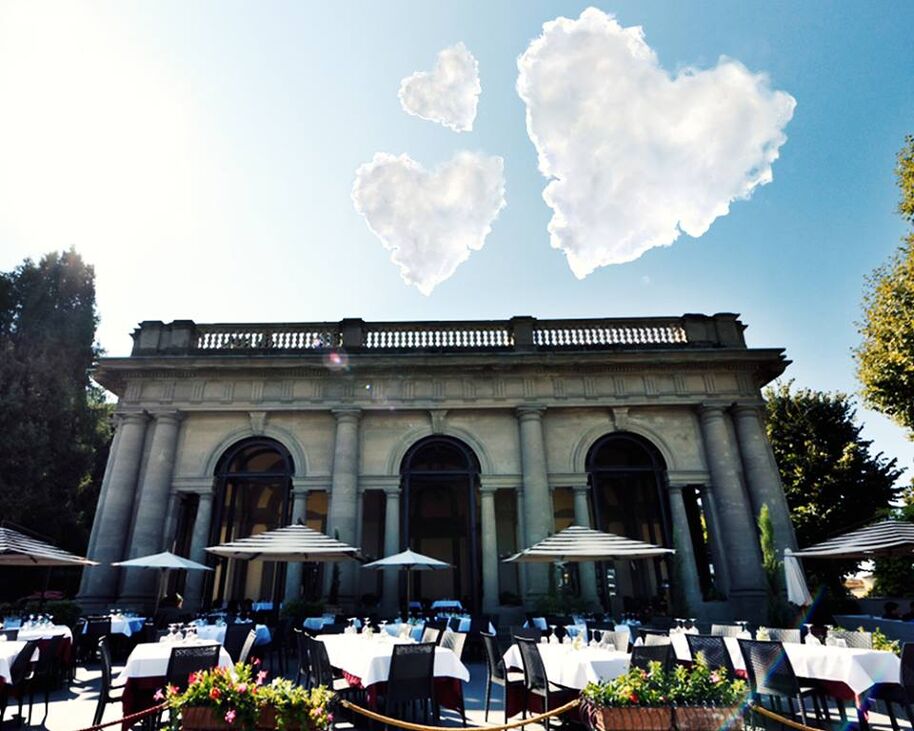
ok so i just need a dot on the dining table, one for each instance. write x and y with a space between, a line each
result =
9 651
216 633
144 672
365 662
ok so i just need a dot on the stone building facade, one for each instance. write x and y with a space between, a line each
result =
464 440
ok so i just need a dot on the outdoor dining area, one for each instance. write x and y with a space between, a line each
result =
438 664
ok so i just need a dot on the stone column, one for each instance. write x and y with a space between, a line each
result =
586 570
762 473
520 537
198 542
152 496
489 549
687 575
537 498
171 521
391 591
99 509
737 528
344 492
716 541
294 569
115 511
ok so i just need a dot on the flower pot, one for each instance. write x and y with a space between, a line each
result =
267 721
632 718
708 718
203 718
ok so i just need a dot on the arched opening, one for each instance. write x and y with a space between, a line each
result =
627 477
440 518
253 486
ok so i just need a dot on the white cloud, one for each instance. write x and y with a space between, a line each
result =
448 94
430 221
634 155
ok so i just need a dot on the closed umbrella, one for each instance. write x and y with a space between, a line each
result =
577 543
410 561
164 562
797 591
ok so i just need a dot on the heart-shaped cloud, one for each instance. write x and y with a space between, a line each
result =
449 94
430 221
634 155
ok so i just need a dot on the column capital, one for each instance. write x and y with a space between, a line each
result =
131 417
675 487
746 410
347 415
531 412
580 488
708 410
174 417
487 489
204 494
392 491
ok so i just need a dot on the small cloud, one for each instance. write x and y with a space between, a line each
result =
430 221
633 154
645 280
447 95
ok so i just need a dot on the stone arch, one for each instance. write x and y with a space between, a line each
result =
405 442
283 436
584 444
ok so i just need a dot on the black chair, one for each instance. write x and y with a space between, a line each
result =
771 674
303 673
714 650
9 634
644 634
536 682
527 633
619 640
322 670
454 641
726 630
497 674
247 646
20 678
411 682
106 693
644 655
235 636
784 635
186 660
453 624
901 693
859 640
95 629
47 671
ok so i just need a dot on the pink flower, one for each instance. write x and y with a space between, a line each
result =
159 695
255 661
329 718
715 678
243 688
230 715
261 676
192 678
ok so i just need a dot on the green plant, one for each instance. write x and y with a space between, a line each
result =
298 707
773 567
636 688
62 611
881 642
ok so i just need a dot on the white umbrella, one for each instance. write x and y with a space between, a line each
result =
577 543
165 562
885 538
797 591
289 544
411 561
18 549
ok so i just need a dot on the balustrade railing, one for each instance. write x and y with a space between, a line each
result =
596 334
423 336
265 337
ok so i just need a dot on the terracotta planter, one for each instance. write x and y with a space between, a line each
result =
634 718
267 721
707 718
202 719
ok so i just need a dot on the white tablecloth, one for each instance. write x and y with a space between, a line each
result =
45 633
574 668
858 669
369 658
216 633
150 660
127 626
447 604
9 651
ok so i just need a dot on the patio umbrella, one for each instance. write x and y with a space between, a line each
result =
411 561
797 591
885 538
18 549
292 543
164 562
577 543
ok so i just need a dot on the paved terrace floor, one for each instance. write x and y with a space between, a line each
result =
72 708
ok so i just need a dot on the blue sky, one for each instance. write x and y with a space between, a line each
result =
202 155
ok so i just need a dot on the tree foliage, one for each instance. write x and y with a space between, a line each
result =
885 358
54 421
832 482
895 576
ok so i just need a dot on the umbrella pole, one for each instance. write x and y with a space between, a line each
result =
162 574
409 587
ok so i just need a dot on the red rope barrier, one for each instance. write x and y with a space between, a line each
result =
128 719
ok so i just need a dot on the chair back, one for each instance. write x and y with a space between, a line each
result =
857 640
247 646
9 634
726 630
301 650
19 669
654 639
48 656
534 670
334 628
235 635
528 633
480 623
321 670
643 633
644 655
784 635
714 650
769 668
493 657
430 634
97 627
453 624
186 660
619 640
454 641
907 668
411 673
104 652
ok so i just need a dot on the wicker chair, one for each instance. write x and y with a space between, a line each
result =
497 674
20 679
714 650
186 660
784 635
726 630
901 693
644 655
857 640
771 674
537 684
106 693
411 682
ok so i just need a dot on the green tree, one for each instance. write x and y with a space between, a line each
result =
54 421
895 576
885 358
832 482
